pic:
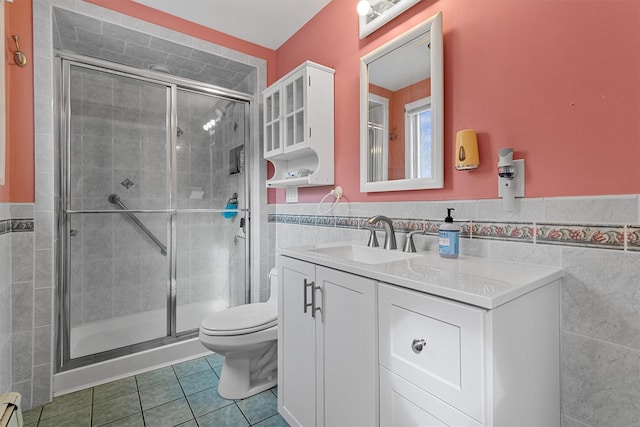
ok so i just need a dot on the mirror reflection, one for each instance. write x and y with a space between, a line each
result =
401 108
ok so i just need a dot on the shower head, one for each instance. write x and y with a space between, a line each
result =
113 198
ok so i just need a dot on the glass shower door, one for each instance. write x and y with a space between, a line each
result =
116 210
211 236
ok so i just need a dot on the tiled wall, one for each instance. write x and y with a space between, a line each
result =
5 298
25 317
594 239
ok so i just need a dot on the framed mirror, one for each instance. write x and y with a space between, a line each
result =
401 112
375 13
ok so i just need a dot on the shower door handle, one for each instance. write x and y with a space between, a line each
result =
73 233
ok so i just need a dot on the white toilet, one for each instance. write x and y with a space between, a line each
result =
246 335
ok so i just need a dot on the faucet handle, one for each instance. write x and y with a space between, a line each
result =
408 244
373 240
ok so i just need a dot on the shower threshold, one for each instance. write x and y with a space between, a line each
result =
104 335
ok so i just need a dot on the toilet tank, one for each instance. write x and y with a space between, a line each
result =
273 285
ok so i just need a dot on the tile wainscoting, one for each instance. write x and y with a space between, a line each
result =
594 239
26 323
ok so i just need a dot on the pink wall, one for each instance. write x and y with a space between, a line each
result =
19 172
557 80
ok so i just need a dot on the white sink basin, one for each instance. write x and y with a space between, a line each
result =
364 254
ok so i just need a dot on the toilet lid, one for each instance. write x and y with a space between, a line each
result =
242 319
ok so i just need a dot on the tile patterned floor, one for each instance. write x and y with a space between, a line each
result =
185 394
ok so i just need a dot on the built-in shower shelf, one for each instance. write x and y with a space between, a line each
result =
299 127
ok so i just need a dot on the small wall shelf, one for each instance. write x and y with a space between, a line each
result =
299 127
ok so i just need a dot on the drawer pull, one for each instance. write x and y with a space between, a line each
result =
418 345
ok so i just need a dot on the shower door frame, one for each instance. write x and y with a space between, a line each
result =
62 64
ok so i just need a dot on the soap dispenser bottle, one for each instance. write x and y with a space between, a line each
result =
449 237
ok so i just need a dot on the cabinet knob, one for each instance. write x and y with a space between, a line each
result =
417 345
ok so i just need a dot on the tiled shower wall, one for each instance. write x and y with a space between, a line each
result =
118 146
117 135
594 239
209 258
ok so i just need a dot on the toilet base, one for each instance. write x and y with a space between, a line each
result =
243 374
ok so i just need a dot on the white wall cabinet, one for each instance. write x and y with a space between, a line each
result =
299 127
327 346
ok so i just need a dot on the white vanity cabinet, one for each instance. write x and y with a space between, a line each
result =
446 363
327 346
299 127
419 341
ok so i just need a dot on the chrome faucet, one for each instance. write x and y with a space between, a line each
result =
373 240
409 246
390 235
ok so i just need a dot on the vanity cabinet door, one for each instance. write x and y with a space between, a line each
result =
327 357
349 349
296 344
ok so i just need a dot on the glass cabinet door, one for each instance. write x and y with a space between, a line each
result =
294 110
272 118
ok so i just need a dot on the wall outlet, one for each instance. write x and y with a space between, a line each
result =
291 195
517 182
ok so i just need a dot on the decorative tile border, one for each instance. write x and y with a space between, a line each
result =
5 226
521 232
600 236
584 235
19 225
16 225
633 238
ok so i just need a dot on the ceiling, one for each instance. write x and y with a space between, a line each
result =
268 23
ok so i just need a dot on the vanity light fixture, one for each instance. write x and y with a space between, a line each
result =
363 7
366 8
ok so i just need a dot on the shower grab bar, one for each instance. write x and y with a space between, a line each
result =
115 199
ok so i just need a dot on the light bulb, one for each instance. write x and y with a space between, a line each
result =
363 7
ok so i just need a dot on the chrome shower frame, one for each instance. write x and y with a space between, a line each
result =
63 62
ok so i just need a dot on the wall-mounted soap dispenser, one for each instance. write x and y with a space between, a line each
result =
467 157
510 178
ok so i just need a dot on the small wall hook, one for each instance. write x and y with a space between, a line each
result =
19 57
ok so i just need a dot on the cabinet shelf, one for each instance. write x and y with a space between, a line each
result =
304 181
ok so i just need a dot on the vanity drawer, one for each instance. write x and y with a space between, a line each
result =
404 404
450 364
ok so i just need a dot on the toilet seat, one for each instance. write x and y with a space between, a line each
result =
239 320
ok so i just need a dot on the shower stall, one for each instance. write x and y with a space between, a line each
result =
153 208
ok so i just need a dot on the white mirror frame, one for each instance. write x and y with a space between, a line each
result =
433 25
367 28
